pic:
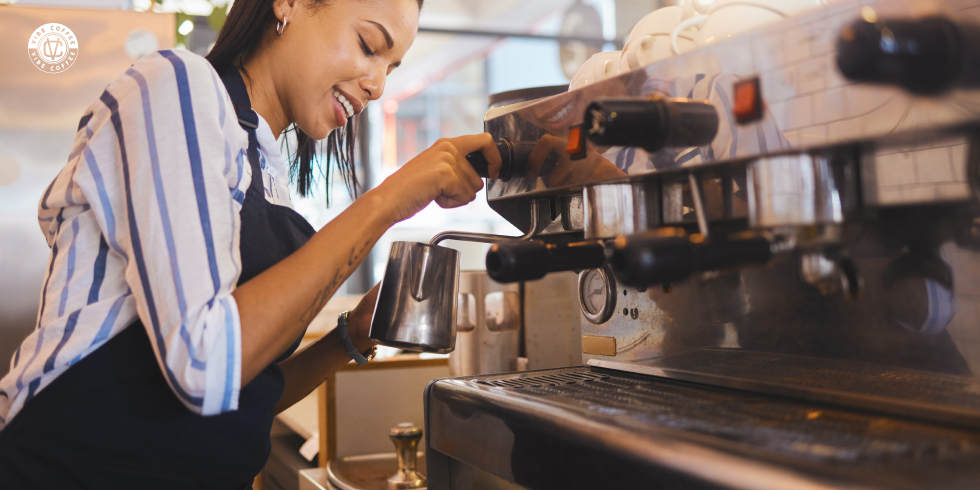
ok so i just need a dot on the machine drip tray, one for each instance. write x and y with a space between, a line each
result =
855 449
783 426
941 398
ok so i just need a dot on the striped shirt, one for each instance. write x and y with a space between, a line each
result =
143 222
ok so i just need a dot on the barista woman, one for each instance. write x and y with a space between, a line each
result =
180 280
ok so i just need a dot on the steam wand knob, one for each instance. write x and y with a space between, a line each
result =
924 56
651 123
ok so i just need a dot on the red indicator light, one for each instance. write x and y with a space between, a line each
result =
748 101
576 142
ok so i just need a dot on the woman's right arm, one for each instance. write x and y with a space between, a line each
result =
277 305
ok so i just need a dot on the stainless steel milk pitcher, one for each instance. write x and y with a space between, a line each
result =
416 308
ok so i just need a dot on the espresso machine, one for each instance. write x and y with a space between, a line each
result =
777 238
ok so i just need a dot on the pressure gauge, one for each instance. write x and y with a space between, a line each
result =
597 294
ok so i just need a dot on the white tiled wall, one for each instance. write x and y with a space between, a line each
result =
811 103
923 174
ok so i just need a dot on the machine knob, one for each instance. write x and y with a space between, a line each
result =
528 260
651 123
926 56
641 261
514 160
406 437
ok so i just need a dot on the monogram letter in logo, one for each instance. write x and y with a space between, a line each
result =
52 48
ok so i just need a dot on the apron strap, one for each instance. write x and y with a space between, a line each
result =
248 120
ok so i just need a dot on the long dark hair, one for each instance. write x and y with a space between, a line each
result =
242 31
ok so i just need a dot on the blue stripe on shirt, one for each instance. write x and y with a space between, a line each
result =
106 327
227 158
98 275
84 120
168 233
113 106
237 194
69 329
47 192
33 388
230 366
71 268
194 154
110 216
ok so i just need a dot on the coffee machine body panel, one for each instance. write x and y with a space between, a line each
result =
806 102
862 191
823 252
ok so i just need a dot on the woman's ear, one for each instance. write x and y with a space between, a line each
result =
284 9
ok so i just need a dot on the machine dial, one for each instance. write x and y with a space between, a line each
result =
597 294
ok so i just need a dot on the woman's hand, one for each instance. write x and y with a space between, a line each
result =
441 174
359 320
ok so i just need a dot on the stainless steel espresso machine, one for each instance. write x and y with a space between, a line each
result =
778 246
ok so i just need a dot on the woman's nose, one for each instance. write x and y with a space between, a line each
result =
374 84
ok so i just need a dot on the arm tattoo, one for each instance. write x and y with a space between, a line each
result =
352 257
322 296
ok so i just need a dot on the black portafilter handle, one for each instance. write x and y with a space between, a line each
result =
650 123
514 159
527 260
643 260
923 56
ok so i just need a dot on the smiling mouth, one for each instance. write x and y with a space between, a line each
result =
348 108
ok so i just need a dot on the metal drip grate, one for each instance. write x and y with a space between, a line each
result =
785 427
559 379
870 379
938 397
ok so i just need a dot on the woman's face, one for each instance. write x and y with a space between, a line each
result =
335 52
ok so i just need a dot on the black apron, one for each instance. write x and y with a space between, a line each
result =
111 420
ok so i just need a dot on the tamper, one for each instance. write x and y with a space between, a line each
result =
406 437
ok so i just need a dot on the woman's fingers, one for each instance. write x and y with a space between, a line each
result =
451 177
483 143
468 183
442 174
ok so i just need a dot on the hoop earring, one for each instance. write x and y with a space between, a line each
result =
281 26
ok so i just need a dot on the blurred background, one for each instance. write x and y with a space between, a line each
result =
465 51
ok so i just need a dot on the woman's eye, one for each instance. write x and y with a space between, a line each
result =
365 47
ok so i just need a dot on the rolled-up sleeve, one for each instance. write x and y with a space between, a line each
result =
165 173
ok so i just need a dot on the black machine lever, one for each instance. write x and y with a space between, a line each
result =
924 56
526 260
644 260
651 122
514 157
